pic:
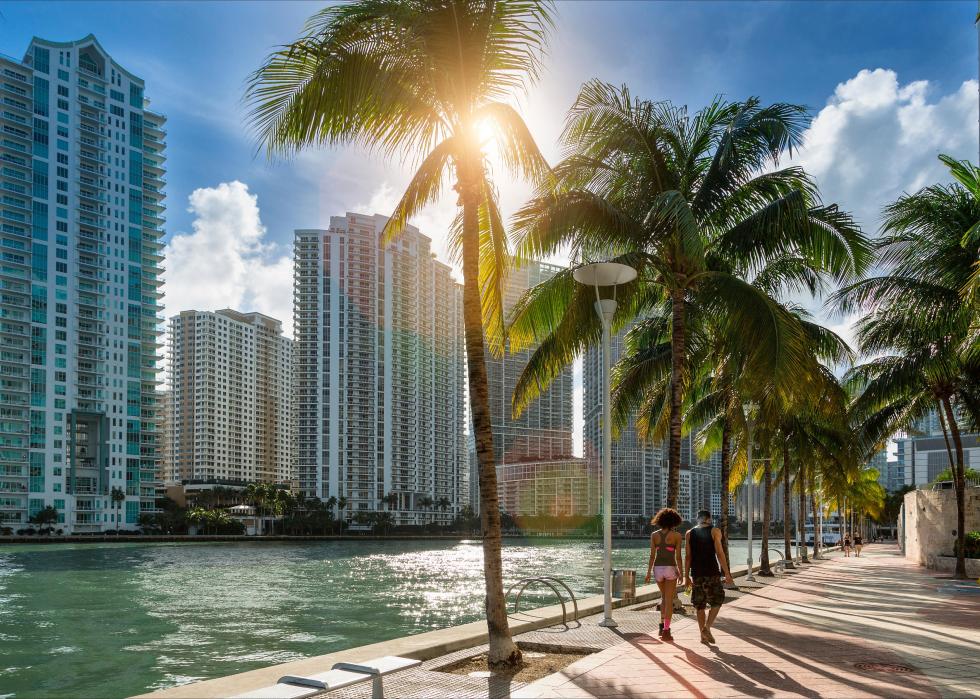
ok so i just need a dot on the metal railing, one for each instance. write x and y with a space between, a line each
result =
551 583
780 565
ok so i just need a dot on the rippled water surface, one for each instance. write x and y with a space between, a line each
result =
113 620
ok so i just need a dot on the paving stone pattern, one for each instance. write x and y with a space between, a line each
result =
877 626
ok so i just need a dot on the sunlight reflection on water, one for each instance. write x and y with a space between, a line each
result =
116 620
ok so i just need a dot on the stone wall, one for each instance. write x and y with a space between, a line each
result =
927 524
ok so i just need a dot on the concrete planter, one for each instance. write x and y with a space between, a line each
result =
947 564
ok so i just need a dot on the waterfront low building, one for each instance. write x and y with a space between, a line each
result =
560 488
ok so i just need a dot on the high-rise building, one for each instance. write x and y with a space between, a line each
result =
379 371
922 459
537 473
231 394
638 477
81 226
639 466
544 430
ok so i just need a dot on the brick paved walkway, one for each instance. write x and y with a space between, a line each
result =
804 635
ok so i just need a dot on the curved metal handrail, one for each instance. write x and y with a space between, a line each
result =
781 563
550 582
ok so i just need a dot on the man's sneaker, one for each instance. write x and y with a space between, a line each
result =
706 637
666 635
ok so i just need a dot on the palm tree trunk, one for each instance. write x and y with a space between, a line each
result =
842 513
677 350
816 534
801 483
787 546
726 470
503 652
959 483
764 568
949 448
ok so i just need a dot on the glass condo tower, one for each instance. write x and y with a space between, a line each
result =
81 228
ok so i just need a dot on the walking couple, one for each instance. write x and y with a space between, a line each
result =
703 565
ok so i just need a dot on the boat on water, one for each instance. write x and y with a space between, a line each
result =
830 531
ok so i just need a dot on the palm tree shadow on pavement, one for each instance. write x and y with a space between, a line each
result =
815 646
752 676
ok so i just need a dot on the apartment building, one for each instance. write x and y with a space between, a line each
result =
639 466
81 228
379 371
231 400
537 473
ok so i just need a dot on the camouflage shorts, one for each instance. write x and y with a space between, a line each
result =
707 592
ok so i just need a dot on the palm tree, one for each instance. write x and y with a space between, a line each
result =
691 203
341 505
118 496
444 504
429 78
920 320
425 502
391 500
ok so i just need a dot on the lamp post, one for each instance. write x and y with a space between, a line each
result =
596 275
750 424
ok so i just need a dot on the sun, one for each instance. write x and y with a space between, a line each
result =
486 131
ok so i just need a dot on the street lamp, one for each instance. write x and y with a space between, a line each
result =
750 424
596 275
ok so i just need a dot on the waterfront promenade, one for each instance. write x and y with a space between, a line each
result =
857 627
875 626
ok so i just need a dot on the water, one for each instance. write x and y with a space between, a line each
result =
113 620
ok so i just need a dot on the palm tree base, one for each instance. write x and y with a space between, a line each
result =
766 573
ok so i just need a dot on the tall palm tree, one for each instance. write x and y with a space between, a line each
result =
690 202
920 319
426 78
341 506
444 504
426 502
118 496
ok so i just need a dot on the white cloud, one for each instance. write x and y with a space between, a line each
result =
877 138
226 262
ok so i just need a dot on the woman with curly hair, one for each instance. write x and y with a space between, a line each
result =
665 562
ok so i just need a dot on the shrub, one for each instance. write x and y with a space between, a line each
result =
971 548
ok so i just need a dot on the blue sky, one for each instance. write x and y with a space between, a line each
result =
195 57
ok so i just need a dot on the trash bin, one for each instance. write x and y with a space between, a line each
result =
624 584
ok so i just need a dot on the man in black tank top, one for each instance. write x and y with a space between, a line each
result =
704 562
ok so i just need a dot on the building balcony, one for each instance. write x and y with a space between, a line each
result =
90 117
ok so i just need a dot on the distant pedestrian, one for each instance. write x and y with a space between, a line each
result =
665 561
846 545
858 543
703 565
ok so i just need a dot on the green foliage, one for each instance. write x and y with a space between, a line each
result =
947 475
717 230
971 545
920 319
888 515
46 516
